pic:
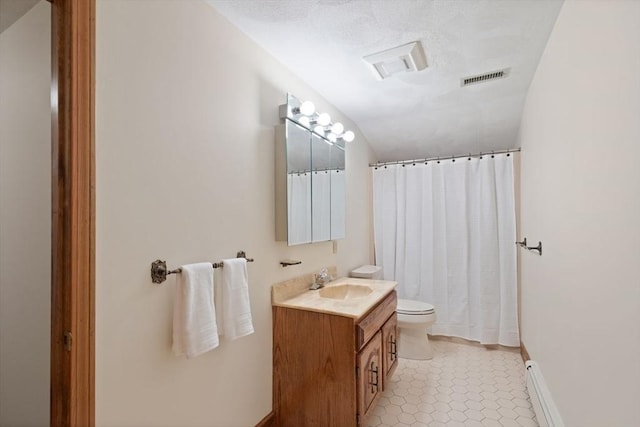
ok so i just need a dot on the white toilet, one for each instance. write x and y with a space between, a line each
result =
414 317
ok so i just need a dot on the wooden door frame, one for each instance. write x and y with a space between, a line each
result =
73 213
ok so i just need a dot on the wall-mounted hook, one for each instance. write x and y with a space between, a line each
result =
522 244
536 248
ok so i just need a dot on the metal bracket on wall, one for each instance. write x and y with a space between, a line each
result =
523 244
536 248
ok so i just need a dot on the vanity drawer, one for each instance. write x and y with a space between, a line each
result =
372 322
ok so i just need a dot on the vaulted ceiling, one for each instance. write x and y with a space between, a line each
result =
415 114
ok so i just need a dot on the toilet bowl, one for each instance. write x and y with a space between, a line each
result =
414 317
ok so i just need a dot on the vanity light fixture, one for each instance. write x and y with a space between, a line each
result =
306 108
324 119
348 136
305 121
304 113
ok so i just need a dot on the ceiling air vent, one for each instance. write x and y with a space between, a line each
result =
406 58
481 78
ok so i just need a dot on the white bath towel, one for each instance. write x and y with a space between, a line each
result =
236 310
194 314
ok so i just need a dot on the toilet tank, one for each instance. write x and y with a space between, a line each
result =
367 272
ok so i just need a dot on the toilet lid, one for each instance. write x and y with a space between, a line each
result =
367 269
407 306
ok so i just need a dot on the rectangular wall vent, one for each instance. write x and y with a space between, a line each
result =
481 78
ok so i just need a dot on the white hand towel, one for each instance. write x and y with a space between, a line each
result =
236 310
194 314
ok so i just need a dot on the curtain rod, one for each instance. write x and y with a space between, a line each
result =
480 154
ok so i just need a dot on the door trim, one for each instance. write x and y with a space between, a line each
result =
73 214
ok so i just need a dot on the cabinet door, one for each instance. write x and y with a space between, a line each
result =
370 374
389 348
337 191
298 157
320 189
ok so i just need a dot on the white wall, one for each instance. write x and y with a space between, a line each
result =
185 113
580 138
25 219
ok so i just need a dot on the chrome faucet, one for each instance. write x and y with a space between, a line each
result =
320 279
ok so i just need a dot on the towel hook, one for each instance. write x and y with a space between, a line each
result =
536 248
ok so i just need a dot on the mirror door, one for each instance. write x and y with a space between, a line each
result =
337 191
298 154
320 189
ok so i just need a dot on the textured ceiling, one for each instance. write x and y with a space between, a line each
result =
410 115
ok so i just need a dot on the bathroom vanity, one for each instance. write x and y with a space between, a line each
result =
334 350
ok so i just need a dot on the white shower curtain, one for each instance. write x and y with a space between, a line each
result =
445 232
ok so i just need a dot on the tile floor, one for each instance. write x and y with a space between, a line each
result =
463 385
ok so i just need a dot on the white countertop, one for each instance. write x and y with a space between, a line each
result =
297 295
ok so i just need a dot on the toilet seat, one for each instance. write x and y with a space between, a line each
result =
413 308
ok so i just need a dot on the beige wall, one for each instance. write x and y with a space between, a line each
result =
185 115
580 140
25 219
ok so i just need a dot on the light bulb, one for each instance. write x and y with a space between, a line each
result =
348 136
307 108
324 119
304 121
332 137
319 130
337 128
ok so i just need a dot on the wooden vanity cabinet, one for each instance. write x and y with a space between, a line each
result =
329 370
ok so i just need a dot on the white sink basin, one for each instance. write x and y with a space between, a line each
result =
346 291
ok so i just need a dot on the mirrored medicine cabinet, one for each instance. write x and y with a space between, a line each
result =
310 181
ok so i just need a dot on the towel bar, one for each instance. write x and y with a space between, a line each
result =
159 269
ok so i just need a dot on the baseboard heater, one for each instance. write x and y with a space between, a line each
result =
546 411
